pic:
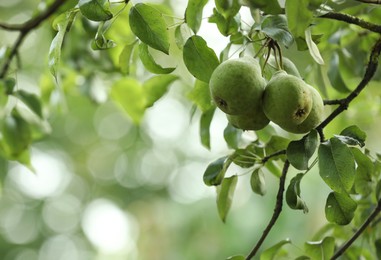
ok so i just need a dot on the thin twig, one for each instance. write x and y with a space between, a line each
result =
268 157
376 2
367 222
353 20
277 211
334 101
24 29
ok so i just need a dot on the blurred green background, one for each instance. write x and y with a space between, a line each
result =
104 188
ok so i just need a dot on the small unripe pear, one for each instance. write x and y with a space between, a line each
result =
237 85
248 122
287 99
314 118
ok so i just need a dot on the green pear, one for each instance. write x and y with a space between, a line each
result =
248 122
237 86
288 66
314 118
287 99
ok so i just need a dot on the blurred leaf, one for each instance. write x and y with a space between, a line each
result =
336 165
226 25
205 121
364 172
340 208
215 171
8 84
348 140
149 62
276 144
270 253
275 26
312 47
199 59
129 95
125 57
293 198
155 87
232 136
298 16
181 34
267 6
100 42
356 133
334 75
274 168
228 8
200 95
62 23
300 151
225 196
321 249
193 14
31 100
377 245
148 24
257 182
95 10
236 257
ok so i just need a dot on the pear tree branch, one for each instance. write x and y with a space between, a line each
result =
25 29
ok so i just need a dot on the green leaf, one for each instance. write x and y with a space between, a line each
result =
225 196
154 88
293 198
336 165
95 10
276 144
200 95
149 62
100 42
300 151
275 26
125 58
199 59
148 24
356 133
377 245
226 25
31 100
193 14
236 257
270 253
232 136
312 47
321 249
267 6
299 17
62 24
129 95
8 84
334 75
228 8
364 172
215 171
205 121
248 156
257 182
340 208
182 33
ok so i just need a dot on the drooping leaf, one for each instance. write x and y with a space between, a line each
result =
129 95
62 24
226 25
300 151
150 63
225 196
299 17
364 172
125 57
215 171
334 75
257 182
199 59
95 10
182 33
31 100
270 253
320 249
100 41
205 121
248 156
232 136
155 87
267 6
200 95
340 208
312 47
356 133
275 26
193 14
336 165
148 24
293 198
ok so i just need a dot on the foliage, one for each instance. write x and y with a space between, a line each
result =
116 41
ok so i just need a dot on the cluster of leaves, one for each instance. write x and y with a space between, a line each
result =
124 33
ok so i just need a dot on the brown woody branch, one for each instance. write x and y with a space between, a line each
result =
376 2
24 30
